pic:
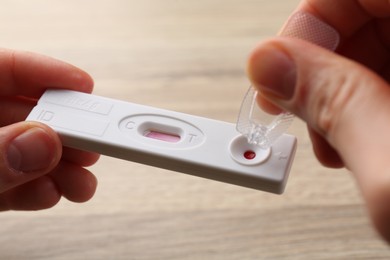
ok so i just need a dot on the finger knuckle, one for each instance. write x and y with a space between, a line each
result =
329 102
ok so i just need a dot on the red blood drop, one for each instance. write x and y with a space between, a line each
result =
249 155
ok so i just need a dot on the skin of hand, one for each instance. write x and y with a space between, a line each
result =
35 170
344 97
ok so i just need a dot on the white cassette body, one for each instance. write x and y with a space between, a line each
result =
175 141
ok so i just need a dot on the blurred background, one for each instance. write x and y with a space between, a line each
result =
187 56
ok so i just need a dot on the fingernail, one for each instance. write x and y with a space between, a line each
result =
305 26
272 71
33 150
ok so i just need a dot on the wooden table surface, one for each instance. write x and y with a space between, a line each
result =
187 56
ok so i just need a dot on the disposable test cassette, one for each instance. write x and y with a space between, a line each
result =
175 141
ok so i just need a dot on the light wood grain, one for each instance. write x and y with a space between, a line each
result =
187 56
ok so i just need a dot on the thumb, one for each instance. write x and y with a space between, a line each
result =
346 103
27 151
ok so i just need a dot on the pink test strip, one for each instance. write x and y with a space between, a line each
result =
171 138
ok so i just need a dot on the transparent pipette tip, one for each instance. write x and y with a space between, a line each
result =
258 127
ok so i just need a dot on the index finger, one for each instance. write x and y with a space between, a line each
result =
346 16
29 74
